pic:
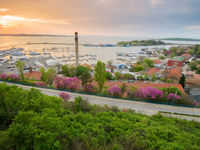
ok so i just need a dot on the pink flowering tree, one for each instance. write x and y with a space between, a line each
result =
67 83
90 88
65 96
172 96
40 84
115 91
150 93
4 76
14 77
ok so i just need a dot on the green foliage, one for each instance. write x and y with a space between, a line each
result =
136 68
169 90
118 75
32 120
182 80
162 57
20 67
140 43
48 76
154 78
100 75
194 66
109 76
123 88
69 71
197 49
128 76
149 62
84 74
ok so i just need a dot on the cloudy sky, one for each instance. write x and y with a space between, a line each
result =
152 18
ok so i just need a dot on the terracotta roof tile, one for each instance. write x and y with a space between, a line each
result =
152 71
36 75
175 72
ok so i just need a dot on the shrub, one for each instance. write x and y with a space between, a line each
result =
130 94
40 84
4 76
115 91
128 76
123 88
173 97
149 93
109 76
67 83
48 76
90 88
169 90
137 68
187 100
118 75
14 77
65 96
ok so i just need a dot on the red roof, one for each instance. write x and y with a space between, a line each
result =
152 71
175 73
36 75
157 62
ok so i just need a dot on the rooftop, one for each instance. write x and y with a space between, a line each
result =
178 58
152 71
175 73
36 75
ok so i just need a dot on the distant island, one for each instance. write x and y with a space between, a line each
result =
34 35
141 43
180 39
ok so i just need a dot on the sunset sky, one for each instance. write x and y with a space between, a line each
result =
154 18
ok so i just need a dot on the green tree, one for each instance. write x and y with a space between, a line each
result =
193 65
69 71
48 76
109 76
118 75
84 74
128 76
20 67
136 68
100 75
197 49
149 62
182 80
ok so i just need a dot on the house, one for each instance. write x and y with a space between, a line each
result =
174 73
193 79
35 75
186 56
176 61
158 64
153 71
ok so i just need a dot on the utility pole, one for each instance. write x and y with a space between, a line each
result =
76 49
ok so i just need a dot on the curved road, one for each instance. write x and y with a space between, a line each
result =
141 107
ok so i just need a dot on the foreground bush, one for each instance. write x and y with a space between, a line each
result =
32 120
115 91
65 96
149 93
72 83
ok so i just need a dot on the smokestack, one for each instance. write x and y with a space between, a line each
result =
76 49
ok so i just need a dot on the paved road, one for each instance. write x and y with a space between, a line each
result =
142 107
